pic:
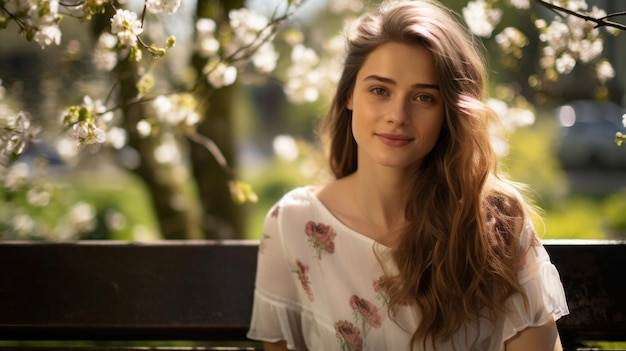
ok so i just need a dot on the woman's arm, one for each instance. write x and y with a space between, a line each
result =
543 338
275 346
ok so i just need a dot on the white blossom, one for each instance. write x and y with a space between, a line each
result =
97 108
208 47
168 151
88 133
247 25
575 5
16 176
88 126
115 220
265 58
176 110
250 29
556 35
511 117
221 75
117 137
604 71
38 197
162 105
162 6
17 131
48 35
565 63
38 18
301 89
511 40
588 50
126 26
206 43
66 148
23 224
285 147
304 79
144 128
571 39
104 56
521 4
206 26
82 217
481 18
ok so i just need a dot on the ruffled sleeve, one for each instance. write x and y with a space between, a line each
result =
542 285
275 313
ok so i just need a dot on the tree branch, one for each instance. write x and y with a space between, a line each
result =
600 22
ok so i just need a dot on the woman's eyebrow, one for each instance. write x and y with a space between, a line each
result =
393 82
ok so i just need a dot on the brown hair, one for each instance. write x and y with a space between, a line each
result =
458 259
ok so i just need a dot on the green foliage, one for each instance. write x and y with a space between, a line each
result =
574 218
123 207
564 215
63 205
532 161
614 209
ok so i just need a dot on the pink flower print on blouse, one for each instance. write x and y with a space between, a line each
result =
321 238
302 271
366 313
349 336
381 288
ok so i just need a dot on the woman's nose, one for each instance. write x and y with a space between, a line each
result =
399 112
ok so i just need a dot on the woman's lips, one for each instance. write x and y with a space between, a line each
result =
395 140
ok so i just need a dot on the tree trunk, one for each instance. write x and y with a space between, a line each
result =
222 218
177 211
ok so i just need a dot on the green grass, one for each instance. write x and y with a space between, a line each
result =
118 191
575 218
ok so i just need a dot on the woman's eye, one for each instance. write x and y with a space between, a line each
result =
424 98
378 91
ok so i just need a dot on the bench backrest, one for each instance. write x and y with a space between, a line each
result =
592 273
120 291
202 290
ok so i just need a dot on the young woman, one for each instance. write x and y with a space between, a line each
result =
418 243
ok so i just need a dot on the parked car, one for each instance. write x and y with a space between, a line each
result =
587 134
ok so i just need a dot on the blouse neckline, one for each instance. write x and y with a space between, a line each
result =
309 190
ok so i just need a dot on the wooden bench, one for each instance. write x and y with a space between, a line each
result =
135 296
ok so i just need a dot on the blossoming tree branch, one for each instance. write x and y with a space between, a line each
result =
165 120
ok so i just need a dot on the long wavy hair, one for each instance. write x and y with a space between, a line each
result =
459 256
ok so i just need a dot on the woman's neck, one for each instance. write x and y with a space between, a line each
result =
380 197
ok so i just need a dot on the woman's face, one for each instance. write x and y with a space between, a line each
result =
397 106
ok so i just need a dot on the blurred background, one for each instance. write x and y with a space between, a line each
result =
565 151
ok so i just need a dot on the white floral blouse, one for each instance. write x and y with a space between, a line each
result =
317 287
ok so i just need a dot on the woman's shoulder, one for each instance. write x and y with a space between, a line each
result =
298 196
297 201
311 202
